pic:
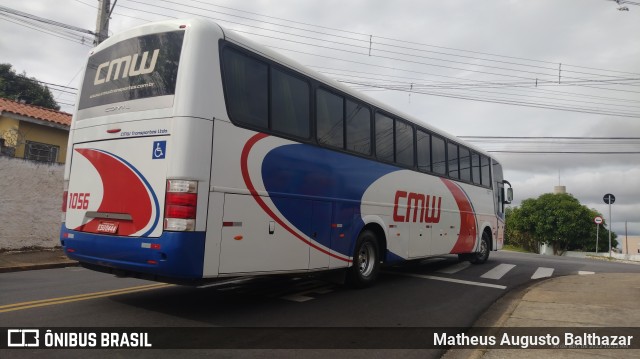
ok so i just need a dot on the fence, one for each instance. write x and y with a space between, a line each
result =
30 201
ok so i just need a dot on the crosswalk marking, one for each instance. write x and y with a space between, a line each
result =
451 280
297 298
302 290
455 268
498 272
542 272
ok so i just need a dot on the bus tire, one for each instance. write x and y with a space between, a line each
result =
481 256
366 261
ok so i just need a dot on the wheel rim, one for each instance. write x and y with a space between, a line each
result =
484 249
366 259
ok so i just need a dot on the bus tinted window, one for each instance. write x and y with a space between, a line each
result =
465 164
423 142
384 138
439 155
141 67
358 128
404 144
329 114
475 167
246 88
452 156
289 104
485 171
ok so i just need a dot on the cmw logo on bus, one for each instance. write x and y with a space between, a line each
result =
426 208
128 66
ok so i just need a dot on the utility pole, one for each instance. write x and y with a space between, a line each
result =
102 22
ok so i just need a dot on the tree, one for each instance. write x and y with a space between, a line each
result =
22 88
555 219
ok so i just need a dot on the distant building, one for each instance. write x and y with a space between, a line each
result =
559 189
630 244
33 132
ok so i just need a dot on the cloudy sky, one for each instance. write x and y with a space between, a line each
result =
501 68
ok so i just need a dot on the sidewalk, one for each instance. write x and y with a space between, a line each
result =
598 300
36 259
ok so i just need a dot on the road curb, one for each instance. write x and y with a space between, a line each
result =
26 267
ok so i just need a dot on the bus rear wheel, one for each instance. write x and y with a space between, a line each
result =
366 261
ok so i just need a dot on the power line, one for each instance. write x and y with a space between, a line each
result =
368 36
50 27
377 50
550 138
566 152
516 85
620 145
46 21
551 105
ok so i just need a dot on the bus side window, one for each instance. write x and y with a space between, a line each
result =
358 128
485 171
439 155
404 144
330 119
475 167
289 104
465 164
384 138
452 156
246 82
424 151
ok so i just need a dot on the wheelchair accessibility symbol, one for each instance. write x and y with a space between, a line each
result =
159 150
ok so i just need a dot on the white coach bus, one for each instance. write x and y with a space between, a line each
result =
196 154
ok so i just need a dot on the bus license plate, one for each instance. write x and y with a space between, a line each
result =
108 227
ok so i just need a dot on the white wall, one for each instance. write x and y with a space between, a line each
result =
30 203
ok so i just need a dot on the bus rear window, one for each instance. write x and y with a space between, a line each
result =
137 68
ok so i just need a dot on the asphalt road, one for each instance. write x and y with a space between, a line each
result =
439 292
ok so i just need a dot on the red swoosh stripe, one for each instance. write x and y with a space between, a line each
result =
467 238
123 192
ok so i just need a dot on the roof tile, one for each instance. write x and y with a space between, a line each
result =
40 113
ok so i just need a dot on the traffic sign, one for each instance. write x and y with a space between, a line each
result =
597 220
609 198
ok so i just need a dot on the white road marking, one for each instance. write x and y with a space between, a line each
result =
498 272
584 272
303 297
542 272
297 298
455 268
451 280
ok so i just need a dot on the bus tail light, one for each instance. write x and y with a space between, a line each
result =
65 196
180 205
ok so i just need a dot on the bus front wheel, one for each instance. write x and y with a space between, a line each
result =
483 254
366 261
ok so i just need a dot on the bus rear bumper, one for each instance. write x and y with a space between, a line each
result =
173 255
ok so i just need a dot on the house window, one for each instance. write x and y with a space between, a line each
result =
42 152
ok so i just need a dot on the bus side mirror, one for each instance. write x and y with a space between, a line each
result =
509 192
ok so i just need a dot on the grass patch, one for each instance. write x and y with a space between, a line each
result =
510 247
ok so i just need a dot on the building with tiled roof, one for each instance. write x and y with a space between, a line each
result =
33 132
